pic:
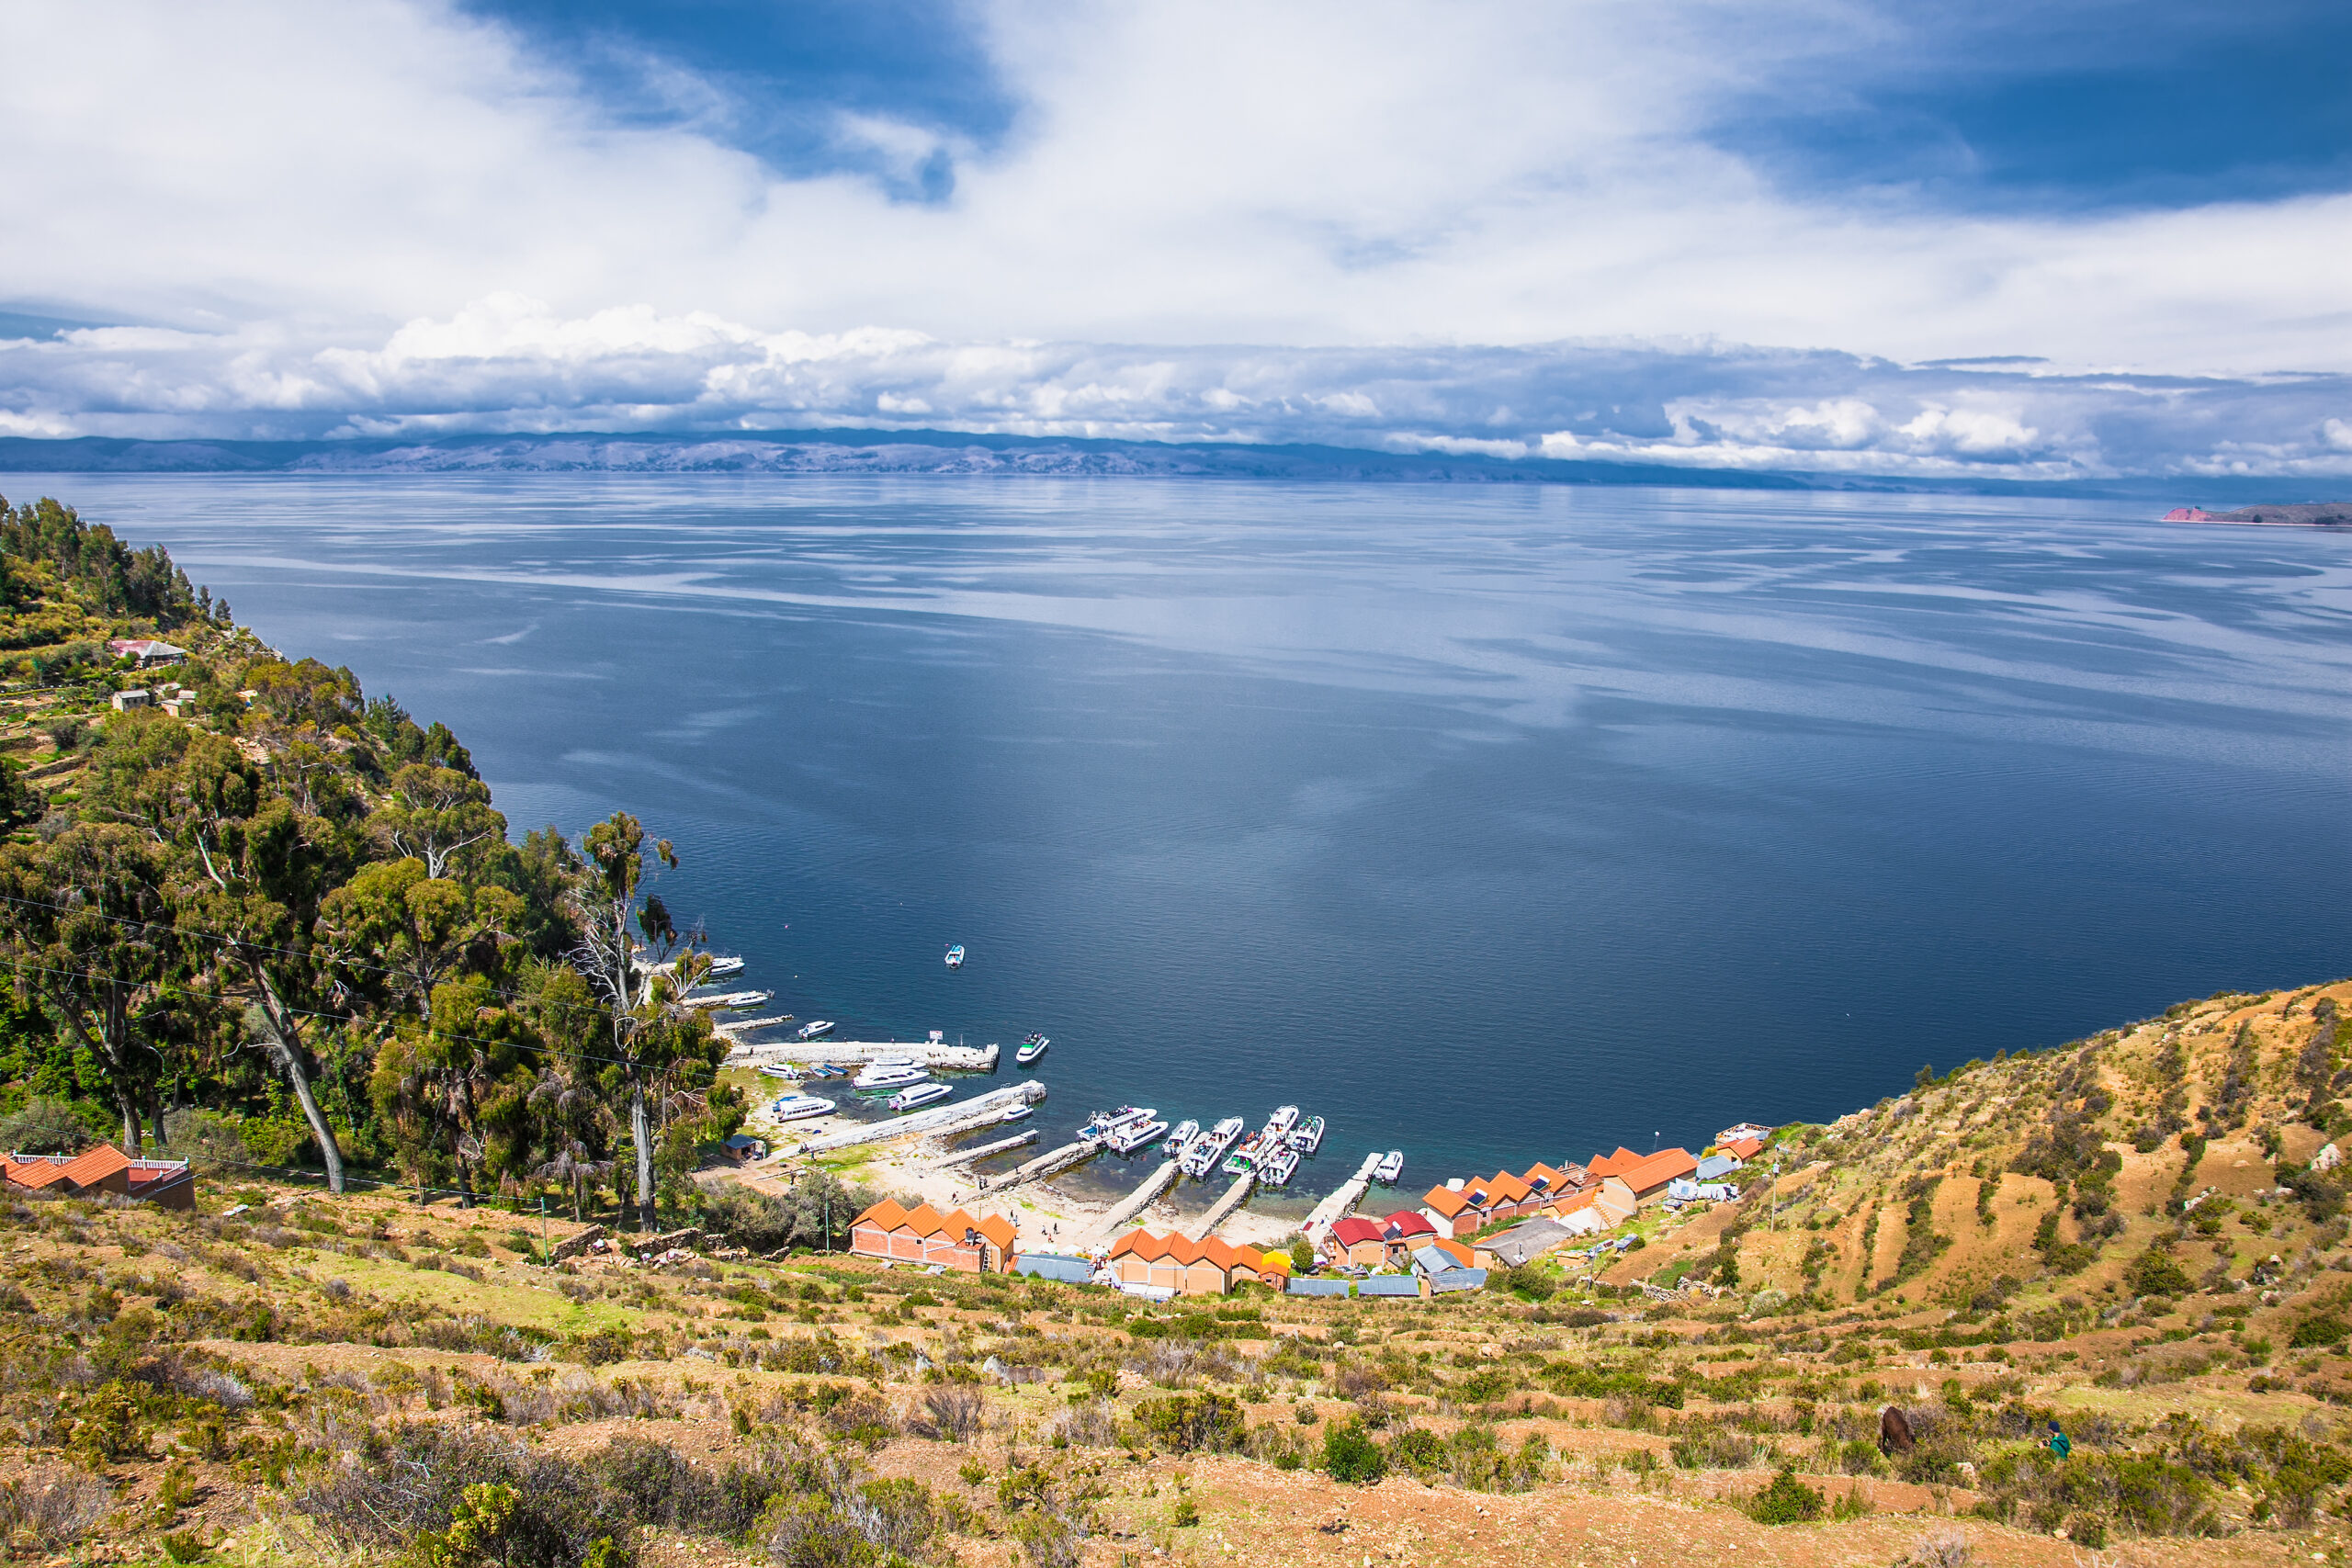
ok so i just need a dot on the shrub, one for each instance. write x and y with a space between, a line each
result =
950 1414
1350 1455
1786 1501
2318 1329
49 1510
1184 1422
2155 1273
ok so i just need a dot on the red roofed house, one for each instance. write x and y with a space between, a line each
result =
1176 1262
103 1170
923 1236
1404 1232
1744 1149
1359 1240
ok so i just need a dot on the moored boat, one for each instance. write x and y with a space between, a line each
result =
921 1094
799 1107
889 1072
1136 1135
1031 1049
1284 1118
784 1071
1279 1167
813 1029
1309 1138
1018 1113
1391 1167
1103 1123
1181 1139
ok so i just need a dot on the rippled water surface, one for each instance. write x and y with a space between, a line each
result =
1494 824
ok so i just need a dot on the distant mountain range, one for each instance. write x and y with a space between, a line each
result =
954 452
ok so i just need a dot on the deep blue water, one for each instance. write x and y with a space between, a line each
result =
1492 823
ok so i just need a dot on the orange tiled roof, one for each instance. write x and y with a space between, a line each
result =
1456 1251
1617 1164
84 1169
1744 1148
1658 1169
1446 1201
886 1214
1508 1189
1572 1202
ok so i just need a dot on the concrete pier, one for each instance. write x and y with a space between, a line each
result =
1341 1203
1136 1202
1051 1163
969 1115
844 1052
966 1157
1222 1210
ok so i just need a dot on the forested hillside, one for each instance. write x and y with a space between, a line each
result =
268 921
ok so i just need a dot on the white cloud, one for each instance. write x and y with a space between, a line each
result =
386 215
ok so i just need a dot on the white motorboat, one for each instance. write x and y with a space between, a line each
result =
1278 1167
813 1029
1210 1147
1031 1049
1105 1122
791 1070
722 966
889 1072
1309 1138
956 956
1018 1113
799 1107
1181 1139
731 1001
1391 1167
921 1094
1136 1135
1284 1118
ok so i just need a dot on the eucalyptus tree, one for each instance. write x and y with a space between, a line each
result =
441 816
638 968
252 871
86 921
456 1088
399 932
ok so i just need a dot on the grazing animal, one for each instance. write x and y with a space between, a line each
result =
1895 1432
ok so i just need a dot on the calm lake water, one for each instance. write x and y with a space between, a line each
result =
1492 824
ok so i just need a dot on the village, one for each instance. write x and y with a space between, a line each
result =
1463 1231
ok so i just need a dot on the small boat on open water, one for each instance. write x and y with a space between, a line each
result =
1031 1049
921 1094
956 956
799 1107
813 1029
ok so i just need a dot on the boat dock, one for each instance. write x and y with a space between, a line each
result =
1342 1202
966 1117
966 1157
1136 1202
923 1053
1222 1210
744 1025
1053 1162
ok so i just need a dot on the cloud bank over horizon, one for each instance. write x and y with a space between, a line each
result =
1820 234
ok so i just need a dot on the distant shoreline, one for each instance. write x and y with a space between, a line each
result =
2330 514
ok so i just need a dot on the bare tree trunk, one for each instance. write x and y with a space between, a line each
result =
286 1045
643 1134
127 1100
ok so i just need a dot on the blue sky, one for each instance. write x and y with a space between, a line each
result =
2077 238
